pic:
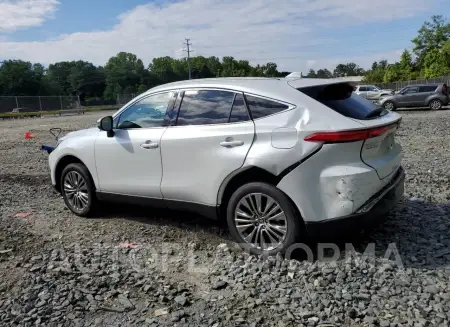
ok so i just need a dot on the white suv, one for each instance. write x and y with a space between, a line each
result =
277 159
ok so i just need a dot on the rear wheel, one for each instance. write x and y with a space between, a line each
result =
262 219
77 189
436 104
389 105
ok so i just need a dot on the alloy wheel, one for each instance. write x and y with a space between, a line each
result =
389 105
260 221
76 190
435 105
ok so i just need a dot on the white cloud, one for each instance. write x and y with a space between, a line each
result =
284 32
16 14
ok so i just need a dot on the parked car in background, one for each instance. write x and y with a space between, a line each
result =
277 159
371 92
23 109
425 95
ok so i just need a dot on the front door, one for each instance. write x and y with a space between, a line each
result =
410 97
129 163
211 138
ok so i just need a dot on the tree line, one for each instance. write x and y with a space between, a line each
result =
125 73
429 58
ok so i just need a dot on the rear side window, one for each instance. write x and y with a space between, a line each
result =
261 107
428 88
205 107
362 89
340 98
239 111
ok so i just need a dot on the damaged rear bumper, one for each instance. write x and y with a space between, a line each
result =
367 217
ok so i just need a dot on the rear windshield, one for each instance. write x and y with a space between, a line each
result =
340 98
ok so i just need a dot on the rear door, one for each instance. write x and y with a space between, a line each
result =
209 139
372 93
362 91
426 91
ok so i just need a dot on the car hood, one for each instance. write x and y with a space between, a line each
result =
80 133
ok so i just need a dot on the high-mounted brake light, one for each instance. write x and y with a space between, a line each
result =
347 136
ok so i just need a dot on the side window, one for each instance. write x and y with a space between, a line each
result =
205 107
427 88
239 111
172 109
261 107
411 90
362 89
147 112
372 89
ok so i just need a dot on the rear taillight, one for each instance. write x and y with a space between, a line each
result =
347 136
444 89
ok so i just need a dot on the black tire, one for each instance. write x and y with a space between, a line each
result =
83 172
294 222
435 104
390 104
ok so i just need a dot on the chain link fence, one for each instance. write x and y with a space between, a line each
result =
399 85
37 103
125 98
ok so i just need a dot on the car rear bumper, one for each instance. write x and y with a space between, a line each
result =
367 217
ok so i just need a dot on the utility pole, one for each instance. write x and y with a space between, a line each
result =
188 50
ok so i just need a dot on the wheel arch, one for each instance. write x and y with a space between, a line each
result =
432 99
62 163
243 176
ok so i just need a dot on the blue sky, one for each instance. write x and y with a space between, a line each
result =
295 34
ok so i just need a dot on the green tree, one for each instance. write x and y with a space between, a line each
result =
432 35
311 74
324 73
141 89
124 70
406 65
436 63
349 69
19 77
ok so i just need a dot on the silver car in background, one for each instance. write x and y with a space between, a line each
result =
371 92
426 95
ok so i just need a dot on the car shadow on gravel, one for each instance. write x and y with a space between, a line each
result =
415 235
417 232
161 216
420 109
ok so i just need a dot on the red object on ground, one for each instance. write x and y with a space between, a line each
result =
128 245
22 215
28 136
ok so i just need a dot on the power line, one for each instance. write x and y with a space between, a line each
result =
188 50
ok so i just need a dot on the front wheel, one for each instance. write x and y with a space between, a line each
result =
389 105
435 104
77 189
262 219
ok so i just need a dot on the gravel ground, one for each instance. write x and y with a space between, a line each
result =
141 267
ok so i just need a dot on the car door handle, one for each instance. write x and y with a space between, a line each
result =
231 144
149 145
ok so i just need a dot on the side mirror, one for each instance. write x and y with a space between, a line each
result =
106 124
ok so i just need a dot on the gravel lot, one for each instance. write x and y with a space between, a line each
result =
141 267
